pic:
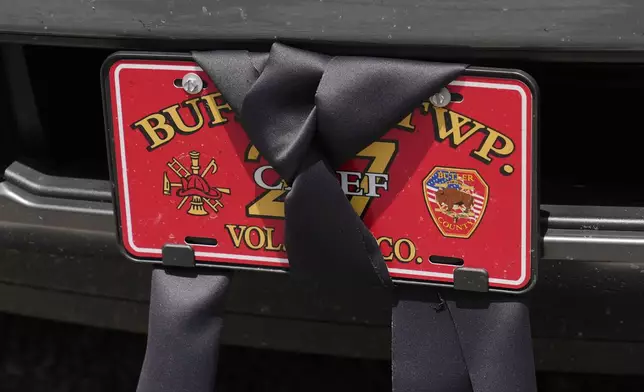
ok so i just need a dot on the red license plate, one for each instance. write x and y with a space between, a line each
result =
446 188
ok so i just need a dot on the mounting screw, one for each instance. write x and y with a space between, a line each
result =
192 83
441 98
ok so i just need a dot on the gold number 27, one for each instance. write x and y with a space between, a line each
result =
270 204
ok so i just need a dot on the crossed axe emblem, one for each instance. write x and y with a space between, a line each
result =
194 186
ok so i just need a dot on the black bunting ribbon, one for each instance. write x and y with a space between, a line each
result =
186 317
450 341
307 114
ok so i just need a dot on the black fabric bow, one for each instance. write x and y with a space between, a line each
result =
307 114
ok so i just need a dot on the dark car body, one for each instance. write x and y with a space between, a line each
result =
58 253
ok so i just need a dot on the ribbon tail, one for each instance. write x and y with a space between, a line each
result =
494 334
425 351
448 341
186 317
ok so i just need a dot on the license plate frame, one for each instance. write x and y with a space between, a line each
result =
518 82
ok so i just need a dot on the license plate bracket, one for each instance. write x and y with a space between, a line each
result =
447 190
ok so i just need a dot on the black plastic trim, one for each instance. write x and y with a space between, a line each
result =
590 54
52 186
523 24
175 255
594 217
29 200
471 279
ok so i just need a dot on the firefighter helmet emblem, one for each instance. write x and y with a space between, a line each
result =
193 185
456 199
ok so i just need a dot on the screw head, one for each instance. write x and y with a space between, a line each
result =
441 98
192 83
